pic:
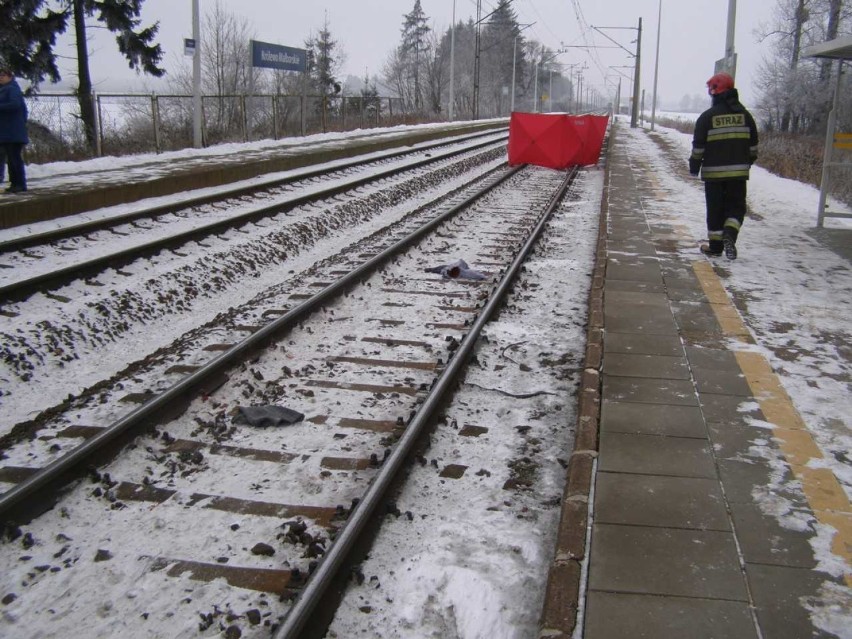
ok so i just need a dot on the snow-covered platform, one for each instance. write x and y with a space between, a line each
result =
719 490
66 188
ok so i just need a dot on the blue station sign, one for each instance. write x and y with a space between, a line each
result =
275 56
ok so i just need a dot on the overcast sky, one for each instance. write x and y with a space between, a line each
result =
692 36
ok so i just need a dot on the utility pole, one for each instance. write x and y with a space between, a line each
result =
729 41
578 90
535 90
196 77
656 64
618 98
514 66
479 21
728 63
476 61
452 60
634 116
515 63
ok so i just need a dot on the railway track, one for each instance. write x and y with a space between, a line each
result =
367 361
59 343
48 260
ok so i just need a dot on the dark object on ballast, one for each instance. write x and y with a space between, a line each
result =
264 416
456 270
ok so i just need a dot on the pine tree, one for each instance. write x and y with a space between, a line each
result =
31 35
27 36
370 97
324 61
122 18
413 48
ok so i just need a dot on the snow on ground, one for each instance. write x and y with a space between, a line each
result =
794 292
473 565
794 295
56 173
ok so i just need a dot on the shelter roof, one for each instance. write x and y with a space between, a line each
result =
837 49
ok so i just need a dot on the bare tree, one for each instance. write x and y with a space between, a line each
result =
434 70
794 90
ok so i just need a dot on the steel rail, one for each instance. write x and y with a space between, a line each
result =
90 226
22 289
331 562
148 411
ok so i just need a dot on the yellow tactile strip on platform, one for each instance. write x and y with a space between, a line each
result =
726 314
823 491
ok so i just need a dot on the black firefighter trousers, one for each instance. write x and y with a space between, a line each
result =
726 209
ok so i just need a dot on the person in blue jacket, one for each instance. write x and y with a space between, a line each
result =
13 129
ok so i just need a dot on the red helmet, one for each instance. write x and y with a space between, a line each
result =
720 83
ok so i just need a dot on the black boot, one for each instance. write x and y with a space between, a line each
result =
730 247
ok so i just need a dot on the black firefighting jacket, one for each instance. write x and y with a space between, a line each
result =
725 142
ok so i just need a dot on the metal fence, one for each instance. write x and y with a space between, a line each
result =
152 123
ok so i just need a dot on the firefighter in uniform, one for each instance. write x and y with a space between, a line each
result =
724 147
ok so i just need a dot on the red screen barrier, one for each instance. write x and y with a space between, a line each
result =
556 141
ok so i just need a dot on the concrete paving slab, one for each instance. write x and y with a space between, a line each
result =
780 595
630 318
673 392
715 359
612 615
677 274
653 366
720 382
628 228
661 228
633 269
666 561
667 345
627 225
673 266
621 233
742 478
630 246
637 298
668 502
686 294
694 317
681 281
631 285
764 541
652 419
733 440
654 455
729 409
